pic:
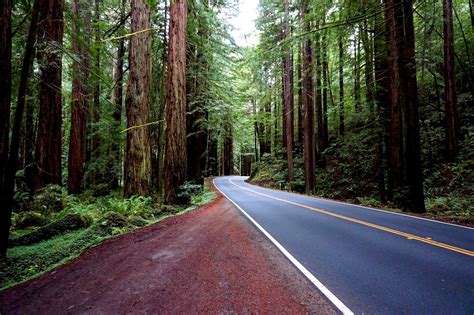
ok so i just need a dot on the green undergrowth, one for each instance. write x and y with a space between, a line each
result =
54 228
346 172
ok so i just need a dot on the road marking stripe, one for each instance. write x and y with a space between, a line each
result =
334 300
426 240
370 208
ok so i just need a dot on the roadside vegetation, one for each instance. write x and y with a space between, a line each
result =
53 227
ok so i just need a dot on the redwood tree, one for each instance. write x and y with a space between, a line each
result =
48 148
175 148
5 99
80 99
308 110
404 146
288 105
450 102
137 169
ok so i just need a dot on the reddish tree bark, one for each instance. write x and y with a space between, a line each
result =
80 99
196 118
404 150
5 100
48 148
137 168
308 115
300 97
118 102
228 149
341 84
5 81
175 149
450 101
288 104
324 90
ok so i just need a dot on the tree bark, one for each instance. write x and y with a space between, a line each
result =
228 148
450 101
49 137
341 84
318 95
308 115
405 157
300 97
357 102
80 99
118 102
5 81
288 104
325 66
137 169
5 100
380 99
175 152
196 119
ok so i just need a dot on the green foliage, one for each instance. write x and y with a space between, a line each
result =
69 222
29 219
48 200
188 189
84 222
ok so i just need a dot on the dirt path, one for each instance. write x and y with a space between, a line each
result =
211 260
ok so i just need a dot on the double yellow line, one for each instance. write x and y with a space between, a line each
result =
426 240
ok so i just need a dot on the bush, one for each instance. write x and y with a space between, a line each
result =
70 222
29 219
48 200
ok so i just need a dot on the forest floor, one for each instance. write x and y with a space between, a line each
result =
209 260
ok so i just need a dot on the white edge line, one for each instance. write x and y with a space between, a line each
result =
321 287
364 207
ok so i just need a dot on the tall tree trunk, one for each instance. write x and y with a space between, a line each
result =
380 98
5 100
255 128
308 90
367 44
228 148
318 95
116 160
162 107
5 81
175 154
450 102
341 84
405 157
325 66
357 103
196 119
288 104
49 138
137 169
93 141
300 97
80 99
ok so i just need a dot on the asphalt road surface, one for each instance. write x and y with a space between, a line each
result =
365 260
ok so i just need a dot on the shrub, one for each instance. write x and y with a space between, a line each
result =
48 200
28 219
69 222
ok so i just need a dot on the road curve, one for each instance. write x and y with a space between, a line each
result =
371 260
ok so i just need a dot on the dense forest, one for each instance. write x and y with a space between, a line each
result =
111 101
367 101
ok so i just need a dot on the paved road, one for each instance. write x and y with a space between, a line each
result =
372 261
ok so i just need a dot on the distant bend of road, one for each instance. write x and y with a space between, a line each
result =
368 260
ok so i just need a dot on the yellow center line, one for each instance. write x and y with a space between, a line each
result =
426 240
